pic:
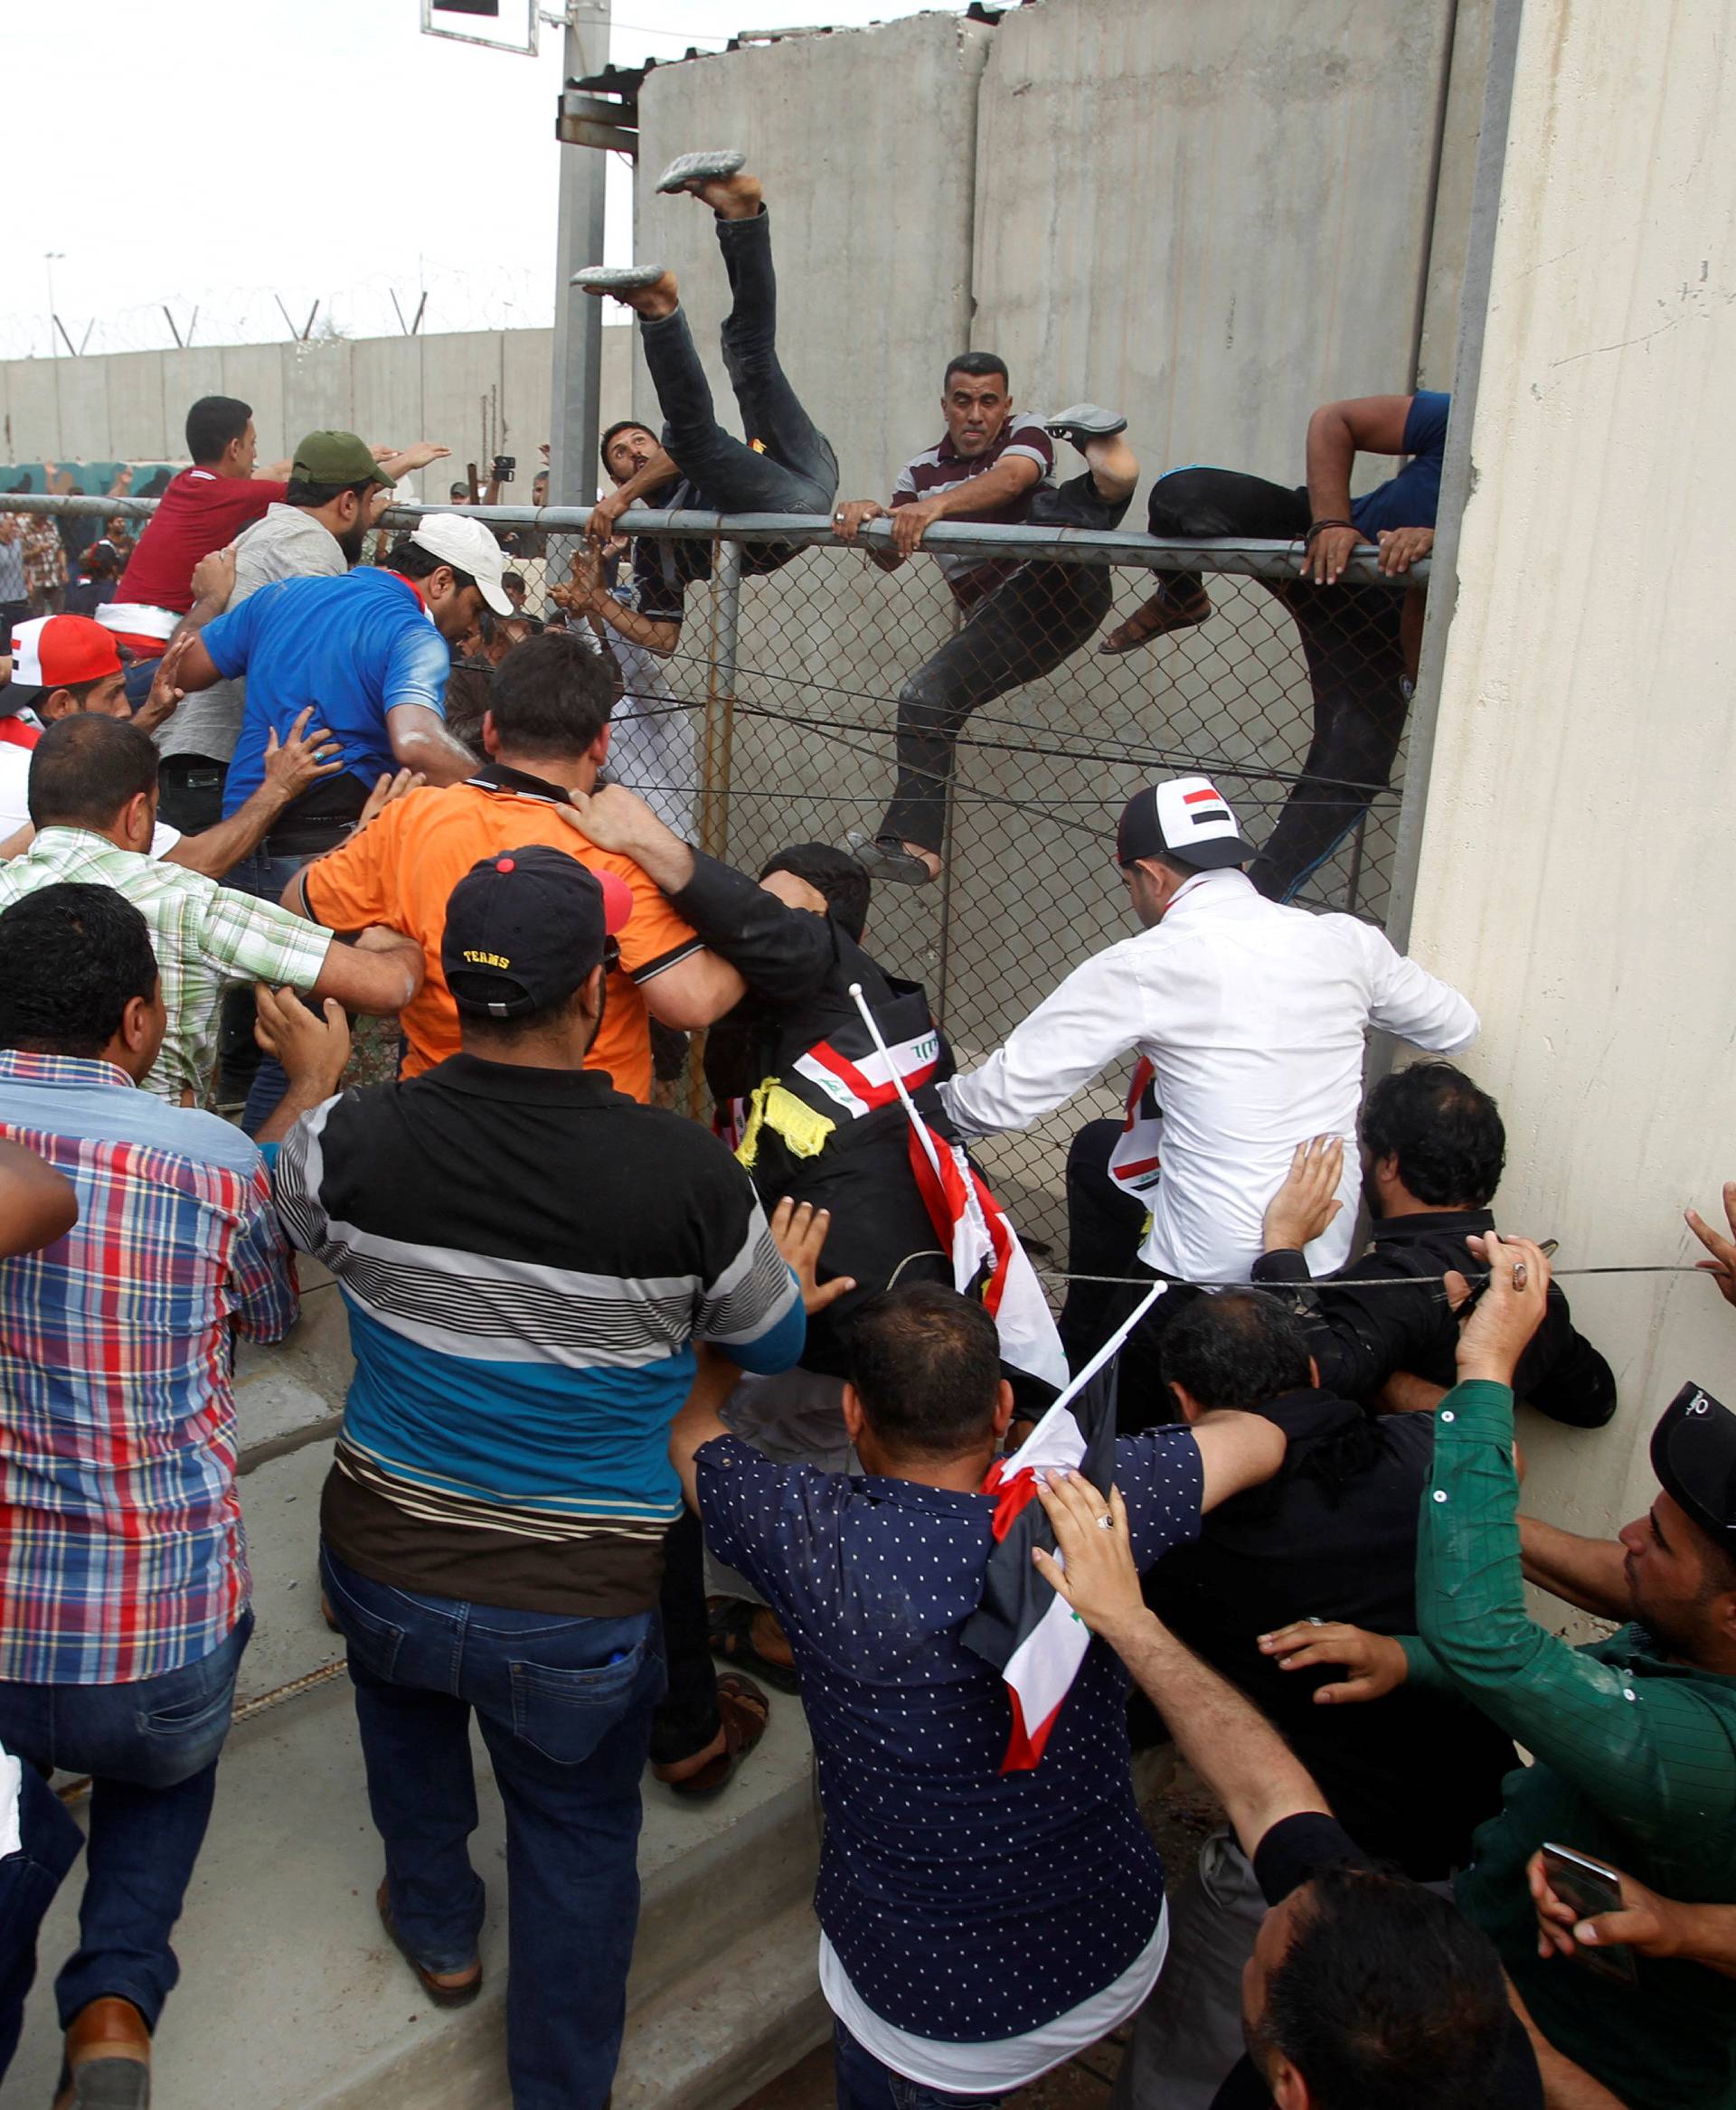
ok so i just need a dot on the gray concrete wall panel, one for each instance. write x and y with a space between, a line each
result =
255 372
138 428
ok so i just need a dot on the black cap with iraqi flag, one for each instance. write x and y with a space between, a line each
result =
1187 819
1693 1455
523 929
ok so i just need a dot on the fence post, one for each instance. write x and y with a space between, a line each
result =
717 750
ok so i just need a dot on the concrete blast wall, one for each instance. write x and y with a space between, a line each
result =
1584 767
131 406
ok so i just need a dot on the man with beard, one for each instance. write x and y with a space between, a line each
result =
335 492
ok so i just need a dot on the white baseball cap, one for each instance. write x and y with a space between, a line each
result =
468 546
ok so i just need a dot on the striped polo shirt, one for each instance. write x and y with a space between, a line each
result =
942 466
528 1258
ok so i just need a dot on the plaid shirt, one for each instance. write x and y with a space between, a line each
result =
203 935
121 1552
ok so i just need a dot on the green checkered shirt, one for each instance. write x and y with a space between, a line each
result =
1634 1765
204 937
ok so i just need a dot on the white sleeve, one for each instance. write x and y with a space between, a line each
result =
1407 1001
164 839
1091 1019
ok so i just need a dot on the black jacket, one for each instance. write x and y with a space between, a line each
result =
1333 1536
799 968
1361 1336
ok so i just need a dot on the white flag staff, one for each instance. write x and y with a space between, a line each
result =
904 1098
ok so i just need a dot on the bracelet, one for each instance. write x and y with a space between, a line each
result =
1319 526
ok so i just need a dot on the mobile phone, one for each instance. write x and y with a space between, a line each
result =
506 468
1590 1887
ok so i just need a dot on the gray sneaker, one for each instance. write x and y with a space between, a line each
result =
1083 421
710 166
886 858
618 278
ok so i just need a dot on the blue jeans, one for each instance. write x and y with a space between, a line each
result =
865 2084
48 1845
151 1751
565 1707
264 878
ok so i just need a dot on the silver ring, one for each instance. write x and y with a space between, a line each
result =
1519 1277
1314 1620
1106 1523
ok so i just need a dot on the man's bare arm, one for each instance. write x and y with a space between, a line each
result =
1587 1572
420 743
701 1419
1010 478
694 992
1337 433
379 974
1223 1737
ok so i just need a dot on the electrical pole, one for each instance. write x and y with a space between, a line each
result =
575 407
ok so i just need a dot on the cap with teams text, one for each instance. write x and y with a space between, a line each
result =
1188 820
57 652
525 928
1693 1455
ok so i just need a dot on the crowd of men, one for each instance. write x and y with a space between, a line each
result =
599 1344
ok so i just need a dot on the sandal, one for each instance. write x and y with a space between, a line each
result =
743 1711
443 1996
729 1633
1157 618
886 858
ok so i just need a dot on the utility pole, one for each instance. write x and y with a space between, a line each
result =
575 407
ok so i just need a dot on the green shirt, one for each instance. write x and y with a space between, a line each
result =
203 935
1635 1764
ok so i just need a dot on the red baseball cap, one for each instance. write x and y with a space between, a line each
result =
56 652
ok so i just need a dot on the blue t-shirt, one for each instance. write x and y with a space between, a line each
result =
1412 497
355 647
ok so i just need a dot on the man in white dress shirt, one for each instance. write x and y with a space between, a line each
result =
1249 1020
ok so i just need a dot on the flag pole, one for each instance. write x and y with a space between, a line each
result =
909 1104
1113 1346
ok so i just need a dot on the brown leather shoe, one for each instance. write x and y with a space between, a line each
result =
108 2062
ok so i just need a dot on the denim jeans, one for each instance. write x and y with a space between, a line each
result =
151 1751
1026 627
265 877
48 1844
797 472
1355 660
564 1706
865 2084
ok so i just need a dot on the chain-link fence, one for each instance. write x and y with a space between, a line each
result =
791 693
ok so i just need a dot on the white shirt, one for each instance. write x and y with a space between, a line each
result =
1253 1018
1010 2062
14 800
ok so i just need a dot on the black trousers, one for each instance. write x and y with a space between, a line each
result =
797 472
1355 660
1025 628
686 1718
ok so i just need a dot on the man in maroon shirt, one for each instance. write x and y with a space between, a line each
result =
204 508
994 466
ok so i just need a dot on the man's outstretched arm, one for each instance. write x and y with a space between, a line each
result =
1223 1737
1338 434
1072 1034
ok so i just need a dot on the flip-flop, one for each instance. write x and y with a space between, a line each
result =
712 165
729 1633
1085 422
886 858
443 1996
744 1711
617 277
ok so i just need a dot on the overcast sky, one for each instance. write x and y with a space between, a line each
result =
220 152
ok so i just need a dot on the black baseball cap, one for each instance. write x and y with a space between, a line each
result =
525 926
1693 1455
1188 819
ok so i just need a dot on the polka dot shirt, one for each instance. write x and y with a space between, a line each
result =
966 1904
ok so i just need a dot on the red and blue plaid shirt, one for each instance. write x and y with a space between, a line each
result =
121 1551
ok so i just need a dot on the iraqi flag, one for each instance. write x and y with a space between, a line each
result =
988 1259
1021 1627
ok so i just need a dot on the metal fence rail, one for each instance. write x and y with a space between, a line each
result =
775 722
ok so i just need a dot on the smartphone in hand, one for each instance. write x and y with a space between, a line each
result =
1591 1888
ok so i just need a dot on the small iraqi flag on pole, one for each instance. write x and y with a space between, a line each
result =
988 1259
1022 1626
